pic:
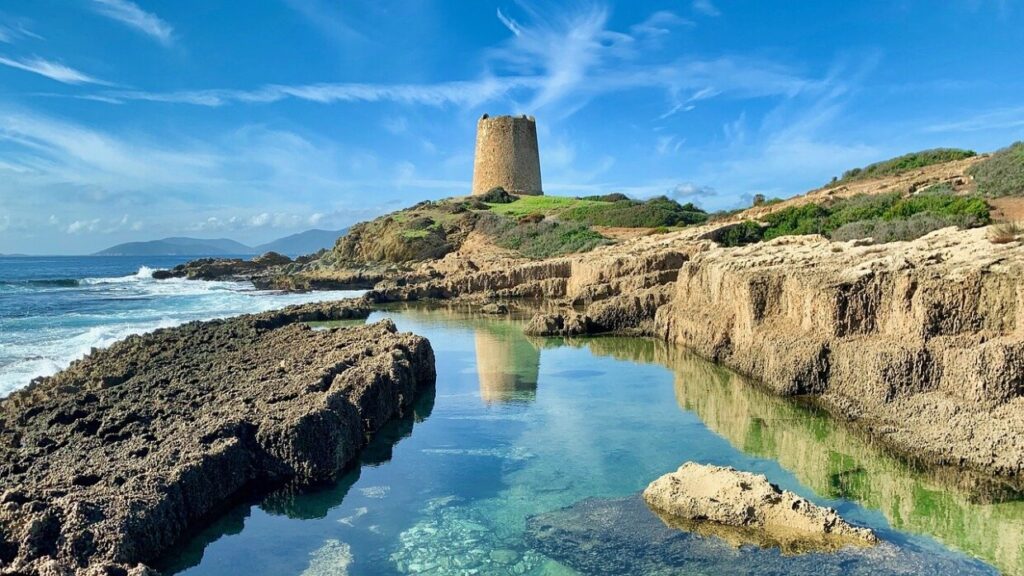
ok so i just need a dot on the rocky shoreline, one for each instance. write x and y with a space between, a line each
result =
919 343
111 461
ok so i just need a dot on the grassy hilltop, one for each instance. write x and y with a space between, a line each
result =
898 199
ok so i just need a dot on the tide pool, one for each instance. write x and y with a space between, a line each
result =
528 456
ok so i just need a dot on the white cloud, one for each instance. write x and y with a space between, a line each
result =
13 30
659 24
668 145
690 192
80 226
999 119
130 14
460 93
52 70
706 7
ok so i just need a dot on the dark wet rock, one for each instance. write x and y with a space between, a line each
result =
111 461
622 536
224 268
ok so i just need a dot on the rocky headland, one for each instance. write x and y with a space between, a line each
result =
113 460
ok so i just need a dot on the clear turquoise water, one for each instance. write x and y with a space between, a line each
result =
518 427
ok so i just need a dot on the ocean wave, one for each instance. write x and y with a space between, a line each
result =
142 274
42 345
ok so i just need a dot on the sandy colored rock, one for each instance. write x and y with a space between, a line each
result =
704 498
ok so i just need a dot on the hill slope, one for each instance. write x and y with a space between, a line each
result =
299 244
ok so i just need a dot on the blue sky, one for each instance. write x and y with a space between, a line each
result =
127 120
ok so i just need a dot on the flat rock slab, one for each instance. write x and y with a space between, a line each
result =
106 464
700 497
601 537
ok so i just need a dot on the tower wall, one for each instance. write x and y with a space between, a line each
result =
507 155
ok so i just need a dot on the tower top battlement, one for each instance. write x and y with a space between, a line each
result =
507 155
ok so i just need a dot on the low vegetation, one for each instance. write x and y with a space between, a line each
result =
1002 174
613 210
904 163
882 217
541 238
1006 232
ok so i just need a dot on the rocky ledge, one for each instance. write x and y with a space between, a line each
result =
704 499
108 463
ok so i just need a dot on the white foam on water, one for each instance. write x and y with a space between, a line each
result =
44 345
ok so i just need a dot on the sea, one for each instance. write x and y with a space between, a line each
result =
55 309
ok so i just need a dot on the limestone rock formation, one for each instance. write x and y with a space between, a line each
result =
766 515
108 463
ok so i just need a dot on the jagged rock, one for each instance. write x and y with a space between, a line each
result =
109 462
766 515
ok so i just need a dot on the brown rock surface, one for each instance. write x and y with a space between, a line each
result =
109 462
920 342
704 498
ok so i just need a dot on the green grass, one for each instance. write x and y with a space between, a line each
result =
618 212
547 205
654 213
1002 174
904 163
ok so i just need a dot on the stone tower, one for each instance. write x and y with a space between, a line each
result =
506 155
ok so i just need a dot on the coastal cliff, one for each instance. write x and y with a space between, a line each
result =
108 463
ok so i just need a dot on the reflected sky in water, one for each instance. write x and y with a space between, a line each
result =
520 428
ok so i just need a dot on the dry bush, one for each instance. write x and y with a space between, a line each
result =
1005 232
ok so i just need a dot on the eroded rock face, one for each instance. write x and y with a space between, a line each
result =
696 495
109 462
920 343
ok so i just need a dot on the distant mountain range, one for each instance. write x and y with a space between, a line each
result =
294 245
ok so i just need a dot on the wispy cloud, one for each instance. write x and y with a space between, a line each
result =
52 70
999 119
555 61
130 14
706 7
12 30
464 93
327 18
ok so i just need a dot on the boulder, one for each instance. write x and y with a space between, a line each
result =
700 498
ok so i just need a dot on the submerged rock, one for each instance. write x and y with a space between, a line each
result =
599 537
711 499
111 461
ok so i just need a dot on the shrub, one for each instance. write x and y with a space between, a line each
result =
1002 174
660 211
739 234
540 239
1005 232
917 225
497 195
905 163
613 197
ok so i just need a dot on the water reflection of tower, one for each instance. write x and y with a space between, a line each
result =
507 364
